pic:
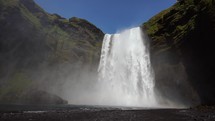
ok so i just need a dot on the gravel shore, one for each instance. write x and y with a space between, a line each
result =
197 114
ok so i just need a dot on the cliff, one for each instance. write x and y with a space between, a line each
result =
182 49
34 43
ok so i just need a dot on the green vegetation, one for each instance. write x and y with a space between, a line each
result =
31 37
14 87
182 36
9 3
30 17
171 25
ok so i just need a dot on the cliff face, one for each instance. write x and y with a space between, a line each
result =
32 40
40 50
182 49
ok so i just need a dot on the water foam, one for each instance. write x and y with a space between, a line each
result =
125 71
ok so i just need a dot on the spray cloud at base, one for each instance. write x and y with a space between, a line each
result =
125 76
125 70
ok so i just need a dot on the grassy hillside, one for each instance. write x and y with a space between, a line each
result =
182 45
31 40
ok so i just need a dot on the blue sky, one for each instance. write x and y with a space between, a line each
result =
108 15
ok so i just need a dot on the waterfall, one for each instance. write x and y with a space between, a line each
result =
125 72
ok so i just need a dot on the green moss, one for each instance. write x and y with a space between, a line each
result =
47 39
74 25
16 84
184 34
176 18
56 37
52 17
9 3
173 24
64 21
29 16
152 29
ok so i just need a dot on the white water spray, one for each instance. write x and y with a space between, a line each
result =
125 71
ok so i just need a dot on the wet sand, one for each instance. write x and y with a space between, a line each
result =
97 114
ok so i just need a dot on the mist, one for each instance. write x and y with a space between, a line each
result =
85 84
80 83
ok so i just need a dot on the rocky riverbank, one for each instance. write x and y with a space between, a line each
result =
97 114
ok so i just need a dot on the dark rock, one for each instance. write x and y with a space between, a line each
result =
180 0
183 35
40 97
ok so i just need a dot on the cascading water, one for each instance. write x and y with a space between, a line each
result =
125 71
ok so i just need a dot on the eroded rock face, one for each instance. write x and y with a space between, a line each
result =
32 97
41 97
182 49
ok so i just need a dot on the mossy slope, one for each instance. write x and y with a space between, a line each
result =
183 35
31 38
